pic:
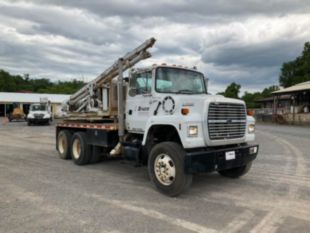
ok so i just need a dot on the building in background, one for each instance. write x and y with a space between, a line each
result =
288 105
265 112
9 100
298 110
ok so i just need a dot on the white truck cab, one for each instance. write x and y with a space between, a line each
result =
39 113
177 97
171 110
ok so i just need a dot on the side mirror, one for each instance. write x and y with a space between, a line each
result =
132 92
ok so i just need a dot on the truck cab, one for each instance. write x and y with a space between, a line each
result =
39 113
177 98
169 110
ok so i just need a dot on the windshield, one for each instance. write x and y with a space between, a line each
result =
38 107
179 81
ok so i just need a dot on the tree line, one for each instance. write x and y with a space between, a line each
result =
17 83
233 91
292 73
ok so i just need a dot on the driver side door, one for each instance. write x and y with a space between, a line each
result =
139 101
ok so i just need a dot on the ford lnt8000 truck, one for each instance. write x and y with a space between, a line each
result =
160 116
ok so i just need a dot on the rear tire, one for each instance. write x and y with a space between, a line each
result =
236 172
80 150
166 169
63 143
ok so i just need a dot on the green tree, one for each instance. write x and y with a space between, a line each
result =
298 70
267 92
251 98
17 83
232 91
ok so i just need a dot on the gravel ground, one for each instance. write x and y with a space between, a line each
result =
41 193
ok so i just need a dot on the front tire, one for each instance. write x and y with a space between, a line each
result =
237 171
166 169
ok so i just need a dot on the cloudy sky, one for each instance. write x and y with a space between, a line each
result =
243 41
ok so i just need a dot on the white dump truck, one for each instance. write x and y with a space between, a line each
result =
160 116
40 113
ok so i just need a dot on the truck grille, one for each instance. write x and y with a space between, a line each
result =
39 116
226 121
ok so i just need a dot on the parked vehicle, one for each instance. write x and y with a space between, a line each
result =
39 113
166 120
17 114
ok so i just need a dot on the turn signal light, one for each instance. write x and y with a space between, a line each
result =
250 112
185 111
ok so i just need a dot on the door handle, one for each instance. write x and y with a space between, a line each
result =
130 112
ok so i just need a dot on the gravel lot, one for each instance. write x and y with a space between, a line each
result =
41 193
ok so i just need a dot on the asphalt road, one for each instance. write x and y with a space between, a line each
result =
41 193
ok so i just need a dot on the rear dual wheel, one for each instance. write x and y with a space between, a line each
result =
76 147
80 150
63 144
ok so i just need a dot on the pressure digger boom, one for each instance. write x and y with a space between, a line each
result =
89 98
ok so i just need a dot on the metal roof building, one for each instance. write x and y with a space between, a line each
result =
298 109
305 86
23 100
12 97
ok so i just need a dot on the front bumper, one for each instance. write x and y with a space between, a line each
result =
38 120
214 159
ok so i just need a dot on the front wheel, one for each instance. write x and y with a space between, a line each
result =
166 168
237 171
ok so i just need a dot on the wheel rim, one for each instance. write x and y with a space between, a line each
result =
164 169
76 148
61 144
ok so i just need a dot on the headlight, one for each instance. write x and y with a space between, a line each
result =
253 150
251 128
47 116
30 116
192 131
